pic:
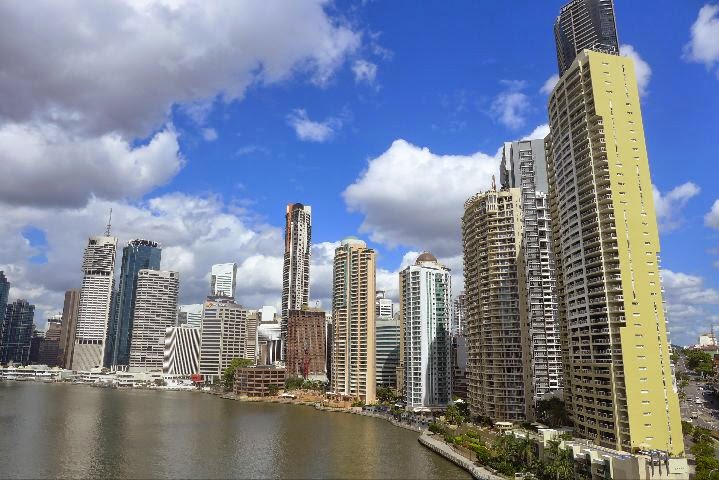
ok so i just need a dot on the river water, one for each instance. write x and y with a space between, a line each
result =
60 430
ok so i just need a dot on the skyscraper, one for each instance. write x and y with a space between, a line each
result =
618 378
387 351
306 344
136 255
458 315
68 325
182 351
17 332
353 312
155 310
496 349
426 299
584 24
296 269
383 306
269 346
190 315
524 167
222 282
228 331
50 347
98 267
4 294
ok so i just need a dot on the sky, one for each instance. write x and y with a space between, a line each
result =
197 122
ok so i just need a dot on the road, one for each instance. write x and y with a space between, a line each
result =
708 410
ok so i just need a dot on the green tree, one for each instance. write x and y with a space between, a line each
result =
453 415
553 413
293 383
385 395
228 376
273 389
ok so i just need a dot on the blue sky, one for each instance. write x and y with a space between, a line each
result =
197 124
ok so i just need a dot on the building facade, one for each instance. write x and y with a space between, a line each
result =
618 376
228 331
222 280
426 299
296 268
4 296
524 167
94 310
136 255
17 333
182 351
353 321
496 349
70 310
387 335
259 380
457 327
269 344
384 308
584 24
155 310
306 344
190 315
50 347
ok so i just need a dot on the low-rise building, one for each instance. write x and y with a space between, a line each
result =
258 380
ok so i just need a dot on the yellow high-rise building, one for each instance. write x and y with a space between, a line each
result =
619 384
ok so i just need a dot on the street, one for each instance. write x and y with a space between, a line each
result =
708 411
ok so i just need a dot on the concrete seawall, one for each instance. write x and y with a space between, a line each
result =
441 448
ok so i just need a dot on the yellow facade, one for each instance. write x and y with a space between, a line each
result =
619 382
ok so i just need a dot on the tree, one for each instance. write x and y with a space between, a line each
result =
453 415
385 395
272 389
228 376
553 413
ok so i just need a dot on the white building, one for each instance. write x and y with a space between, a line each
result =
269 346
458 315
155 311
228 331
182 351
190 315
98 267
426 306
383 306
707 340
223 280
296 268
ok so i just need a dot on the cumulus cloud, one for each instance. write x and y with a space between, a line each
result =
549 84
670 206
711 219
209 134
642 70
510 107
44 165
364 71
703 46
310 130
541 131
413 197
691 305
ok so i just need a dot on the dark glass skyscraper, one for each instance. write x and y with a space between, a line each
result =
4 292
585 24
137 255
17 330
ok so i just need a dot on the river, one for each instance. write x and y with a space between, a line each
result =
61 430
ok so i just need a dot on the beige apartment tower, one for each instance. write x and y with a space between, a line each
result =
497 349
353 319
619 385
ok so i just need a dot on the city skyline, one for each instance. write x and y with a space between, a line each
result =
240 223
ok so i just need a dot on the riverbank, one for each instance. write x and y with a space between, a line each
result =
441 448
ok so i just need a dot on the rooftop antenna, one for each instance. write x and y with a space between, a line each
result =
109 224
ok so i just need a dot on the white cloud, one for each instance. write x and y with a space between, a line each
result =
364 71
412 197
691 305
44 165
704 44
310 130
711 219
511 106
642 70
209 134
194 232
549 84
670 207
689 289
541 131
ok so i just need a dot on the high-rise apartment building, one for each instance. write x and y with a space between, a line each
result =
457 327
524 167
182 351
155 310
584 24
296 269
50 347
98 267
4 295
70 310
383 306
17 332
353 319
496 359
228 331
269 345
190 315
223 278
426 299
618 379
136 255
387 350
306 344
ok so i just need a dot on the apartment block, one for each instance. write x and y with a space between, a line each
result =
306 344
